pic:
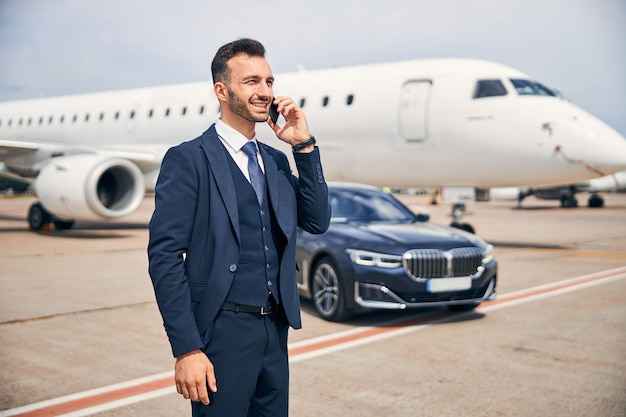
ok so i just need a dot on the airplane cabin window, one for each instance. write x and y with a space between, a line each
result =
117 115
350 99
87 117
201 110
50 120
132 114
102 116
74 118
325 101
302 102
167 112
184 111
150 113
40 120
489 88
531 88
62 119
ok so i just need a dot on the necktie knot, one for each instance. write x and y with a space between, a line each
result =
257 178
250 150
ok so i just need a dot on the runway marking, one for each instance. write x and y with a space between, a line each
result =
119 395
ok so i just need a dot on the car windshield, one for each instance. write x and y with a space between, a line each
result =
368 206
531 88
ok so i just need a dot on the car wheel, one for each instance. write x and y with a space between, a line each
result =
463 307
328 295
38 217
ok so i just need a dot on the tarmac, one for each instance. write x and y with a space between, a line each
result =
80 333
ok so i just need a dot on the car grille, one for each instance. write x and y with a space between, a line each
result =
435 263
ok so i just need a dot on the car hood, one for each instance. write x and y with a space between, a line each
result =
404 236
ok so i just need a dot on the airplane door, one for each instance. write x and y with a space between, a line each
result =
413 108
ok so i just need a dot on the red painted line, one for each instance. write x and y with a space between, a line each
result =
507 298
98 399
118 394
293 352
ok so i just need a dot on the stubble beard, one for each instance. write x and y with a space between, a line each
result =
240 108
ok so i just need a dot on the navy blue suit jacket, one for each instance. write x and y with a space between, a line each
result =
193 248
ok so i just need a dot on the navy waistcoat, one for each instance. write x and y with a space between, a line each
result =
261 243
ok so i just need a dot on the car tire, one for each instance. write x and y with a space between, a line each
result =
329 297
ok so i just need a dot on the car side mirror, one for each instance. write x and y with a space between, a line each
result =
422 217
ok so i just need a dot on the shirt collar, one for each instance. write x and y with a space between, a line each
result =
233 138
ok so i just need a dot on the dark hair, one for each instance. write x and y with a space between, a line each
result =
219 66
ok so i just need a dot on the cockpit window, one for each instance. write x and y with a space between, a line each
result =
531 88
489 88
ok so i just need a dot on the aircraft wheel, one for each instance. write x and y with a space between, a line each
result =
595 201
463 226
568 201
38 217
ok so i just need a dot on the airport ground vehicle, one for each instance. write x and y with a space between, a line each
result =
378 254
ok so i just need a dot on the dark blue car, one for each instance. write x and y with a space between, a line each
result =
378 254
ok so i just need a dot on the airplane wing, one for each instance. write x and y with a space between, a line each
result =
81 181
27 158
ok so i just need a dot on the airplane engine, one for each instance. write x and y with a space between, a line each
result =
89 187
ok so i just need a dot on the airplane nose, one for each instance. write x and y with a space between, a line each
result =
611 156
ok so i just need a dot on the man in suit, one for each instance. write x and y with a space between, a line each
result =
223 242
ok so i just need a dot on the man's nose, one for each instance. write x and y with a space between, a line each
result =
264 90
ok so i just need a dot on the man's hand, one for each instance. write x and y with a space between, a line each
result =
193 373
295 129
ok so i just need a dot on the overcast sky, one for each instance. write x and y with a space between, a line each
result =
55 47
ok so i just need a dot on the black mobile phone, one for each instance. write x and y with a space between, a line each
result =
274 111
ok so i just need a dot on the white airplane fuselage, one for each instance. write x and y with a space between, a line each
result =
405 124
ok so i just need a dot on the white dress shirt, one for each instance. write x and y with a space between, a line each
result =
234 142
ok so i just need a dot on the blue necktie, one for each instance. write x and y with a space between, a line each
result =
257 178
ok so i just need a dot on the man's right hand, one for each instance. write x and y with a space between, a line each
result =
193 373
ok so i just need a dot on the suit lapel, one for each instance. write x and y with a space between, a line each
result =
218 165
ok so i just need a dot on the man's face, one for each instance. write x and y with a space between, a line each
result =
249 88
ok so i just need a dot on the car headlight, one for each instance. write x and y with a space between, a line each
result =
366 258
488 255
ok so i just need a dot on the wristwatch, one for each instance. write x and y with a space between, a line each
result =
299 146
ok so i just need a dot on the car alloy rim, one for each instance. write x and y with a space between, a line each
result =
326 289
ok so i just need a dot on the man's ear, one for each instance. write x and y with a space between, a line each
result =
221 91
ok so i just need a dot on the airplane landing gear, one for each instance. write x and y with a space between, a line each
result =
458 211
40 219
595 201
568 201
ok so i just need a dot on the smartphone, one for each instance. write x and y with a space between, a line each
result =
274 111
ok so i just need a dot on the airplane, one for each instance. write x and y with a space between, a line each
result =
565 193
460 124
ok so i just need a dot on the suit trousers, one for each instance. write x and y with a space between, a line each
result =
249 354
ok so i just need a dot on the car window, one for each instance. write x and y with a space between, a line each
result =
365 205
